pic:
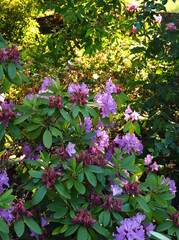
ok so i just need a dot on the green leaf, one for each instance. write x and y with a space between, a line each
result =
91 177
56 132
128 161
89 136
1 73
100 230
75 111
4 236
60 213
19 227
164 226
22 118
79 187
106 218
24 78
82 233
142 203
36 174
137 128
2 130
92 112
34 134
39 195
60 230
160 200
66 115
12 70
159 235
3 226
62 190
32 127
14 131
6 85
127 126
71 230
32 225
47 139
95 169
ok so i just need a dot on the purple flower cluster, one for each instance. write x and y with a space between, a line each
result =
130 143
3 181
151 167
170 27
132 228
101 140
61 153
31 155
91 157
7 214
6 112
94 199
84 218
171 184
49 177
175 218
88 124
112 88
131 115
79 93
11 54
132 188
55 101
20 211
47 82
112 204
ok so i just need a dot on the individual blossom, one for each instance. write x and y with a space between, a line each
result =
3 181
30 96
148 159
128 114
154 167
171 184
134 29
7 214
132 7
106 103
47 82
110 87
34 235
44 221
170 27
148 228
70 149
134 116
102 139
95 76
116 190
84 218
158 18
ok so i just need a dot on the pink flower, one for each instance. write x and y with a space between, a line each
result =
154 167
171 26
128 110
135 116
127 117
158 19
70 148
134 29
148 159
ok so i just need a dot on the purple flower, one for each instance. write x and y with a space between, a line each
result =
110 87
135 116
128 110
171 184
3 181
116 190
44 221
106 103
101 140
76 88
88 124
131 228
6 112
6 214
47 82
34 235
70 149
26 150
148 159
171 26
30 95
149 227
154 167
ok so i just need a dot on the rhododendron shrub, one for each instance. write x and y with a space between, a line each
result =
80 179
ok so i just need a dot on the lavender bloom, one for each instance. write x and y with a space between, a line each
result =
149 227
76 87
135 116
131 228
154 167
116 190
3 181
101 139
88 124
47 82
26 150
44 221
35 235
31 96
148 159
110 87
70 149
128 110
170 27
6 214
171 184
14 54
107 104
130 143
6 112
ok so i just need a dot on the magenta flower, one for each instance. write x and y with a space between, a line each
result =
158 18
154 167
70 149
171 26
135 116
134 29
148 159
132 7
